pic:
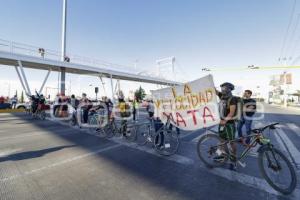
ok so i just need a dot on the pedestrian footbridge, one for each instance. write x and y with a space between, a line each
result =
22 56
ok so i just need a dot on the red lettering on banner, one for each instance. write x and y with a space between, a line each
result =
180 119
171 117
193 114
205 115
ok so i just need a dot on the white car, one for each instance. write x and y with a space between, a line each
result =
24 106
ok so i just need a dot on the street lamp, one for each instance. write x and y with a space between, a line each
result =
252 67
206 69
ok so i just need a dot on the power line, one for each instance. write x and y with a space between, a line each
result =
252 68
293 34
287 30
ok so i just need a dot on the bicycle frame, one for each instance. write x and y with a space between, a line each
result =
259 139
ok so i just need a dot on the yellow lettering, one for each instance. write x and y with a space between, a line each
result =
187 89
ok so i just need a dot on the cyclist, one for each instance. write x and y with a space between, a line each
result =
135 107
227 108
34 103
124 112
86 106
150 108
74 102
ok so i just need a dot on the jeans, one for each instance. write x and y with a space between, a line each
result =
13 105
158 125
247 123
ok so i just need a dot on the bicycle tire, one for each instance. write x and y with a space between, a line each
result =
73 121
143 134
212 150
293 183
101 132
110 130
42 115
167 149
131 132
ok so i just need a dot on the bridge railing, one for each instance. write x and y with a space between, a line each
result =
48 54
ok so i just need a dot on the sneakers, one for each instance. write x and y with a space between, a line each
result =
219 158
232 158
233 166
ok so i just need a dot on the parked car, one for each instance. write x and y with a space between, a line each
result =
5 105
23 105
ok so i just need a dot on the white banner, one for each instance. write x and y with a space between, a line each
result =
190 106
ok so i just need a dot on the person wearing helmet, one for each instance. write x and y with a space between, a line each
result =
227 108
124 110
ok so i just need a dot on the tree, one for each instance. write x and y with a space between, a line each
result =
140 94
22 98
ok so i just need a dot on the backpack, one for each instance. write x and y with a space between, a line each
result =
124 109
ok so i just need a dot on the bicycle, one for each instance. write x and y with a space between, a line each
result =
120 129
95 120
165 140
271 161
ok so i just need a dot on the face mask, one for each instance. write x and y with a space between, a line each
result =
224 90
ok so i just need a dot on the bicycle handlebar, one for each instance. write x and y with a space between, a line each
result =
271 126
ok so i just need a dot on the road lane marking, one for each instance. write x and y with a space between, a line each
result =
184 135
6 152
251 181
294 128
39 133
66 161
292 150
30 129
175 158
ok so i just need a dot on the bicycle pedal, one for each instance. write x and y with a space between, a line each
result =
242 164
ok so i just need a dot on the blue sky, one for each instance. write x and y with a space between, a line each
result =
211 33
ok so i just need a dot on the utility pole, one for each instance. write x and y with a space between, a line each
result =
63 47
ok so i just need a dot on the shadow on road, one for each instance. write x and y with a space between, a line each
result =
32 154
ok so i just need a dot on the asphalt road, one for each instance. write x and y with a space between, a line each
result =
51 160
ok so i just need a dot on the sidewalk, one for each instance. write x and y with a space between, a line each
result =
11 110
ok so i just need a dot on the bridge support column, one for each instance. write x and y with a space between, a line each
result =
102 82
24 77
44 82
21 80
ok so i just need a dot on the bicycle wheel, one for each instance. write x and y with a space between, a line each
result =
42 115
277 170
130 134
211 151
166 142
143 134
110 130
73 120
101 132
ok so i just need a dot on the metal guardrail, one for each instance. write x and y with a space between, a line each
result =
30 50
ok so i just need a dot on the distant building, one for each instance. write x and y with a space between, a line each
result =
283 85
